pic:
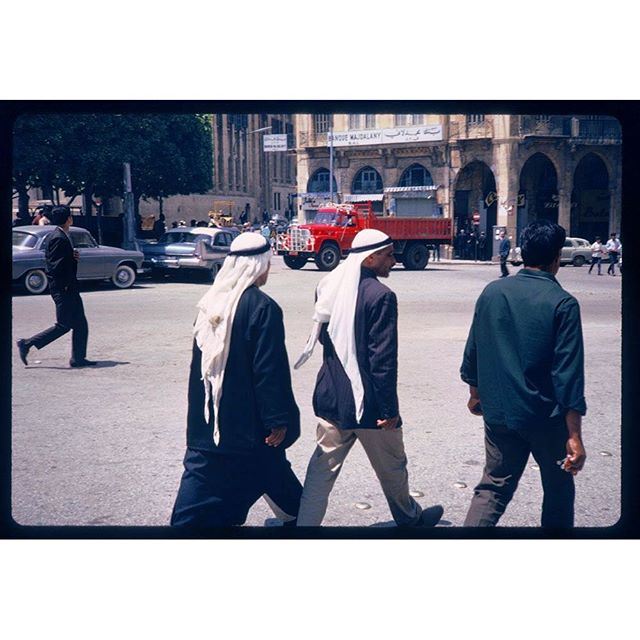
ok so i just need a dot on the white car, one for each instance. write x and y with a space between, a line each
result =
576 251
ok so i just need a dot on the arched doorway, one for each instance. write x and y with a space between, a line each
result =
415 195
319 182
475 209
368 181
538 193
590 199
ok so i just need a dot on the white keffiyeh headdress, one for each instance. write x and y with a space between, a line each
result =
248 259
337 294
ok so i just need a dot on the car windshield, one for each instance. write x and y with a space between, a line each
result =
323 217
178 236
21 239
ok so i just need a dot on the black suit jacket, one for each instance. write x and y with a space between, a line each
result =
376 336
62 268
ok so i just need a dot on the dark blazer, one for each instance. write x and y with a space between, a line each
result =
256 391
505 248
376 334
61 267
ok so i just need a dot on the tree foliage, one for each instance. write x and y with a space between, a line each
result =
83 153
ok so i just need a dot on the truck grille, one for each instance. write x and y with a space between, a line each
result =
296 240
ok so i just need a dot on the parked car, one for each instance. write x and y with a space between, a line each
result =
97 262
576 251
189 249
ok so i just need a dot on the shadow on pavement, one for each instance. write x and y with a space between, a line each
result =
100 364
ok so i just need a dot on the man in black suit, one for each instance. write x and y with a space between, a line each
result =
62 266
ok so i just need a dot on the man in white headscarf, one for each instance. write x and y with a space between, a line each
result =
356 396
241 411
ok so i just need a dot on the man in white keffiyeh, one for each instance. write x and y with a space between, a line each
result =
241 411
355 397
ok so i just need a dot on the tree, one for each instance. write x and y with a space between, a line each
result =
82 154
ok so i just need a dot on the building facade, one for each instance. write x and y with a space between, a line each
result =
246 179
480 170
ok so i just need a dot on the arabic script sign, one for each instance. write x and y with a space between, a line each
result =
352 138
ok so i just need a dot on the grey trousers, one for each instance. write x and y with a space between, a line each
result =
385 450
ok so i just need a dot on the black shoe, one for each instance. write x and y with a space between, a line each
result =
23 350
431 516
82 363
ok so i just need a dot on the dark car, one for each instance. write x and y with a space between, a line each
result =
189 249
97 262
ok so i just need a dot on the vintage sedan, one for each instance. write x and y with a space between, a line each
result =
576 251
189 249
97 262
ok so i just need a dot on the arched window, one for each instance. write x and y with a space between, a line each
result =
367 180
415 176
319 182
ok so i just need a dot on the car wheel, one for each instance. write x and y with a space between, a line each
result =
416 257
36 281
295 262
214 272
578 261
123 277
328 257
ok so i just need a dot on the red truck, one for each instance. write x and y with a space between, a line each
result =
328 238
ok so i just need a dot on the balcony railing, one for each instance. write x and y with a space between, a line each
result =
599 130
545 126
466 130
312 139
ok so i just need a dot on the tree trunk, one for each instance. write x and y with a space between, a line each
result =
47 193
23 203
160 205
87 202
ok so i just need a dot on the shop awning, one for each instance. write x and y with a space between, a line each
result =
430 187
363 197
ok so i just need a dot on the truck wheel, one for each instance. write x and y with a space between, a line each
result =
578 261
328 258
416 257
295 262
36 281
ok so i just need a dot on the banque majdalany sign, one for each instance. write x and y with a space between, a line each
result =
352 138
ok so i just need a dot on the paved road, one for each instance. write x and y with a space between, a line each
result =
104 446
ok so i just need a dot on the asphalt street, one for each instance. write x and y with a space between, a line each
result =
104 446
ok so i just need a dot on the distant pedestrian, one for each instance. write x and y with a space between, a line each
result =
174 225
503 250
356 321
482 246
62 265
182 223
159 227
524 364
613 249
596 255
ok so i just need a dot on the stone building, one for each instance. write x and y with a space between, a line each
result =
485 169
246 179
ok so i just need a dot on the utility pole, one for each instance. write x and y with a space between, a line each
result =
331 159
129 240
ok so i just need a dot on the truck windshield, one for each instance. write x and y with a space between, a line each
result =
324 218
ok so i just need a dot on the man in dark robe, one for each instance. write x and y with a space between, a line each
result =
242 414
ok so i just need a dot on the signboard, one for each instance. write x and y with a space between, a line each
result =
275 142
354 138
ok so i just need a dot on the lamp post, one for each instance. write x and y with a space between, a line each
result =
331 159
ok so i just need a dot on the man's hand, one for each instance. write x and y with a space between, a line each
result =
473 404
576 455
76 255
276 437
388 423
